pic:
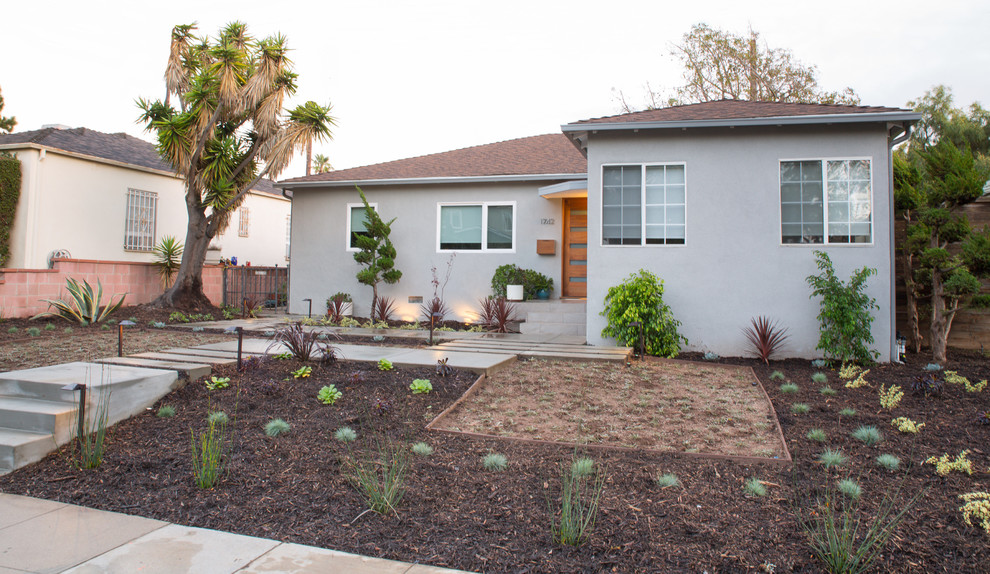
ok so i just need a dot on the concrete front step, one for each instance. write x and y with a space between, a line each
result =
557 317
52 418
20 447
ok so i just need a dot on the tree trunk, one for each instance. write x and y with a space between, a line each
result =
911 302
940 322
187 290
309 156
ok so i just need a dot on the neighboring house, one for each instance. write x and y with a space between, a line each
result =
726 201
109 197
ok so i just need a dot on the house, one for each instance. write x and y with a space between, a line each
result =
109 197
726 201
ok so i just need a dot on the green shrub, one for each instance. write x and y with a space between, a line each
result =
800 408
845 318
532 281
640 299
868 434
276 427
345 434
817 435
165 412
422 449
888 461
980 301
667 480
755 487
789 388
10 192
494 461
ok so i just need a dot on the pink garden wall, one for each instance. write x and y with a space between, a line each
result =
21 290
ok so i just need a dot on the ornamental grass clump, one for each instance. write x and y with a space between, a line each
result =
380 477
776 376
828 391
494 462
667 480
816 435
422 449
848 412
276 427
207 452
868 434
639 299
92 444
888 461
583 466
832 458
819 378
800 408
165 412
789 388
217 418
345 434
573 518
850 488
755 487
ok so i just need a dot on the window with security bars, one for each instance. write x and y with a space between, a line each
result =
826 201
243 222
139 227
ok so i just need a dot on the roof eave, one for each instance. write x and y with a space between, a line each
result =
910 117
87 157
431 180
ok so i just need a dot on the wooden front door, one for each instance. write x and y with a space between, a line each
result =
575 250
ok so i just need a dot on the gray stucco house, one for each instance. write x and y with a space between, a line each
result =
726 201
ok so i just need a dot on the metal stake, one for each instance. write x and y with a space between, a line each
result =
309 314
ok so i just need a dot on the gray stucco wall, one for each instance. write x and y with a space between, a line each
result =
321 265
733 266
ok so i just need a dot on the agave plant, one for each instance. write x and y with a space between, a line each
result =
84 306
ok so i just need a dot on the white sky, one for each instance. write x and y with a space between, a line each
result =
410 78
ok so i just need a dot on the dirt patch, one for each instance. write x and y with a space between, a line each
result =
654 404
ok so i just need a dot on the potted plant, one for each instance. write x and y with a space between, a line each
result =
514 290
539 284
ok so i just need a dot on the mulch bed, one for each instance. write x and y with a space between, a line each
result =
294 487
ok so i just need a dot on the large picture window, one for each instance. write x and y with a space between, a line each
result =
644 204
476 227
826 201
142 215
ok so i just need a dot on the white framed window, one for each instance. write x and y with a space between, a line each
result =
288 236
142 215
357 220
826 201
644 204
488 227
243 222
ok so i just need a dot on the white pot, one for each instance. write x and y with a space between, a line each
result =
514 292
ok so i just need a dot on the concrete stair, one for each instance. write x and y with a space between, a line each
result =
555 317
36 415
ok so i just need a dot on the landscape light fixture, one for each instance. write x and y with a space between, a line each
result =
240 341
433 318
120 335
309 314
81 387
642 350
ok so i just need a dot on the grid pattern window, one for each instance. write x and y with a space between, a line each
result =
244 221
288 235
357 221
644 204
142 215
826 201
476 227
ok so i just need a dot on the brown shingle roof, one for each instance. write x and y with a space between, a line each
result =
118 147
535 155
736 109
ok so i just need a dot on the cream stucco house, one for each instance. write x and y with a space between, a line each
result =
108 197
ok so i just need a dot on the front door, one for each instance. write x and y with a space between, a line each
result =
575 242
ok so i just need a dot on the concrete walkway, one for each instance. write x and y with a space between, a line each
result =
48 537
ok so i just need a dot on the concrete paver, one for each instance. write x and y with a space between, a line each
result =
20 508
67 536
183 549
300 559
191 371
185 358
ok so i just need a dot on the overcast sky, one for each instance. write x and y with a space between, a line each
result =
417 77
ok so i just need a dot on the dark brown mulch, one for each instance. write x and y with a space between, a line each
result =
294 487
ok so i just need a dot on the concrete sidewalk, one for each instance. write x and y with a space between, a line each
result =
48 537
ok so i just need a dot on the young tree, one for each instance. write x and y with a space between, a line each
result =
944 167
228 132
376 253
6 124
720 65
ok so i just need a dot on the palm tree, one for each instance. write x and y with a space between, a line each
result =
321 163
229 132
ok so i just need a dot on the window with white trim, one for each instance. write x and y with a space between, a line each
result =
357 220
644 204
243 222
142 215
486 227
826 201
288 235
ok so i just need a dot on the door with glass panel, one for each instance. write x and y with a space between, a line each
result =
575 252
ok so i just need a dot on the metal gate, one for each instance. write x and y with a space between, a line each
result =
256 287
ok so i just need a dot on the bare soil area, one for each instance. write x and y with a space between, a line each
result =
654 404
